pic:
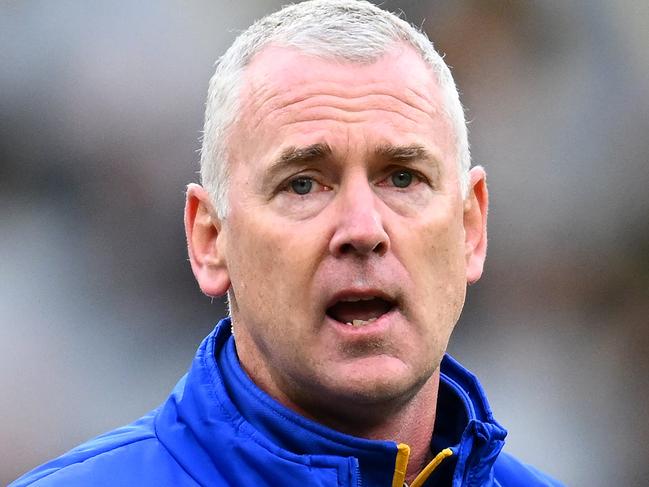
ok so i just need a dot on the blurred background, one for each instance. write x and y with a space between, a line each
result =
101 107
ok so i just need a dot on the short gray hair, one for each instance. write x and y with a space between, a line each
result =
351 30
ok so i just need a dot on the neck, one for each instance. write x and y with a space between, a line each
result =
411 423
409 420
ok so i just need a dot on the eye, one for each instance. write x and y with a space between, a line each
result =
301 185
304 185
401 178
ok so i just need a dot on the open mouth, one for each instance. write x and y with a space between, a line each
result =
357 312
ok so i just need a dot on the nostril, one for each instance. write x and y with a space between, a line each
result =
351 248
380 248
363 246
360 236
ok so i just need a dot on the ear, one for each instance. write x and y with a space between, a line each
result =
476 205
205 242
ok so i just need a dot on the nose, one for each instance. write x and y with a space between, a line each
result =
359 226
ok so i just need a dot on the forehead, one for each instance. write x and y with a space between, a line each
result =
287 93
279 63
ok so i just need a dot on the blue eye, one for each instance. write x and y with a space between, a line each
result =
401 179
302 185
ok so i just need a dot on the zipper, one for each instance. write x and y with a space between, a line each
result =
401 465
430 468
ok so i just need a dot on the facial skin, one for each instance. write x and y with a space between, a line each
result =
382 216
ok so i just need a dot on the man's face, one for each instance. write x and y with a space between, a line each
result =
345 241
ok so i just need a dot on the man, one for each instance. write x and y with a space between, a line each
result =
340 215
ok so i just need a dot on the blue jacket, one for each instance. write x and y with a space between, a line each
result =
217 428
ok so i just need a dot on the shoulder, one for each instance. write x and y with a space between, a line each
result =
120 457
511 472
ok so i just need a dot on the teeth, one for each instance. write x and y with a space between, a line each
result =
358 323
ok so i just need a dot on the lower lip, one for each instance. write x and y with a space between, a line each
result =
375 328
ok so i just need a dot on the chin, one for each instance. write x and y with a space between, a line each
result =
377 380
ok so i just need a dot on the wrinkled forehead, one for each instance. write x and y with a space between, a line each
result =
282 69
280 77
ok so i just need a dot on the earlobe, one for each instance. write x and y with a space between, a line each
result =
204 242
476 206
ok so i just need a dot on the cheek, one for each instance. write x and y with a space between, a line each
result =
271 262
435 258
439 240
250 262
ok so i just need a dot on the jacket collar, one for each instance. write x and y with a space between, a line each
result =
465 423
217 385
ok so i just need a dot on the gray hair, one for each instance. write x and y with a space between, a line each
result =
351 30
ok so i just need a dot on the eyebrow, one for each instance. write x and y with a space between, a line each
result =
292 156
406 153
298 156
412 154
